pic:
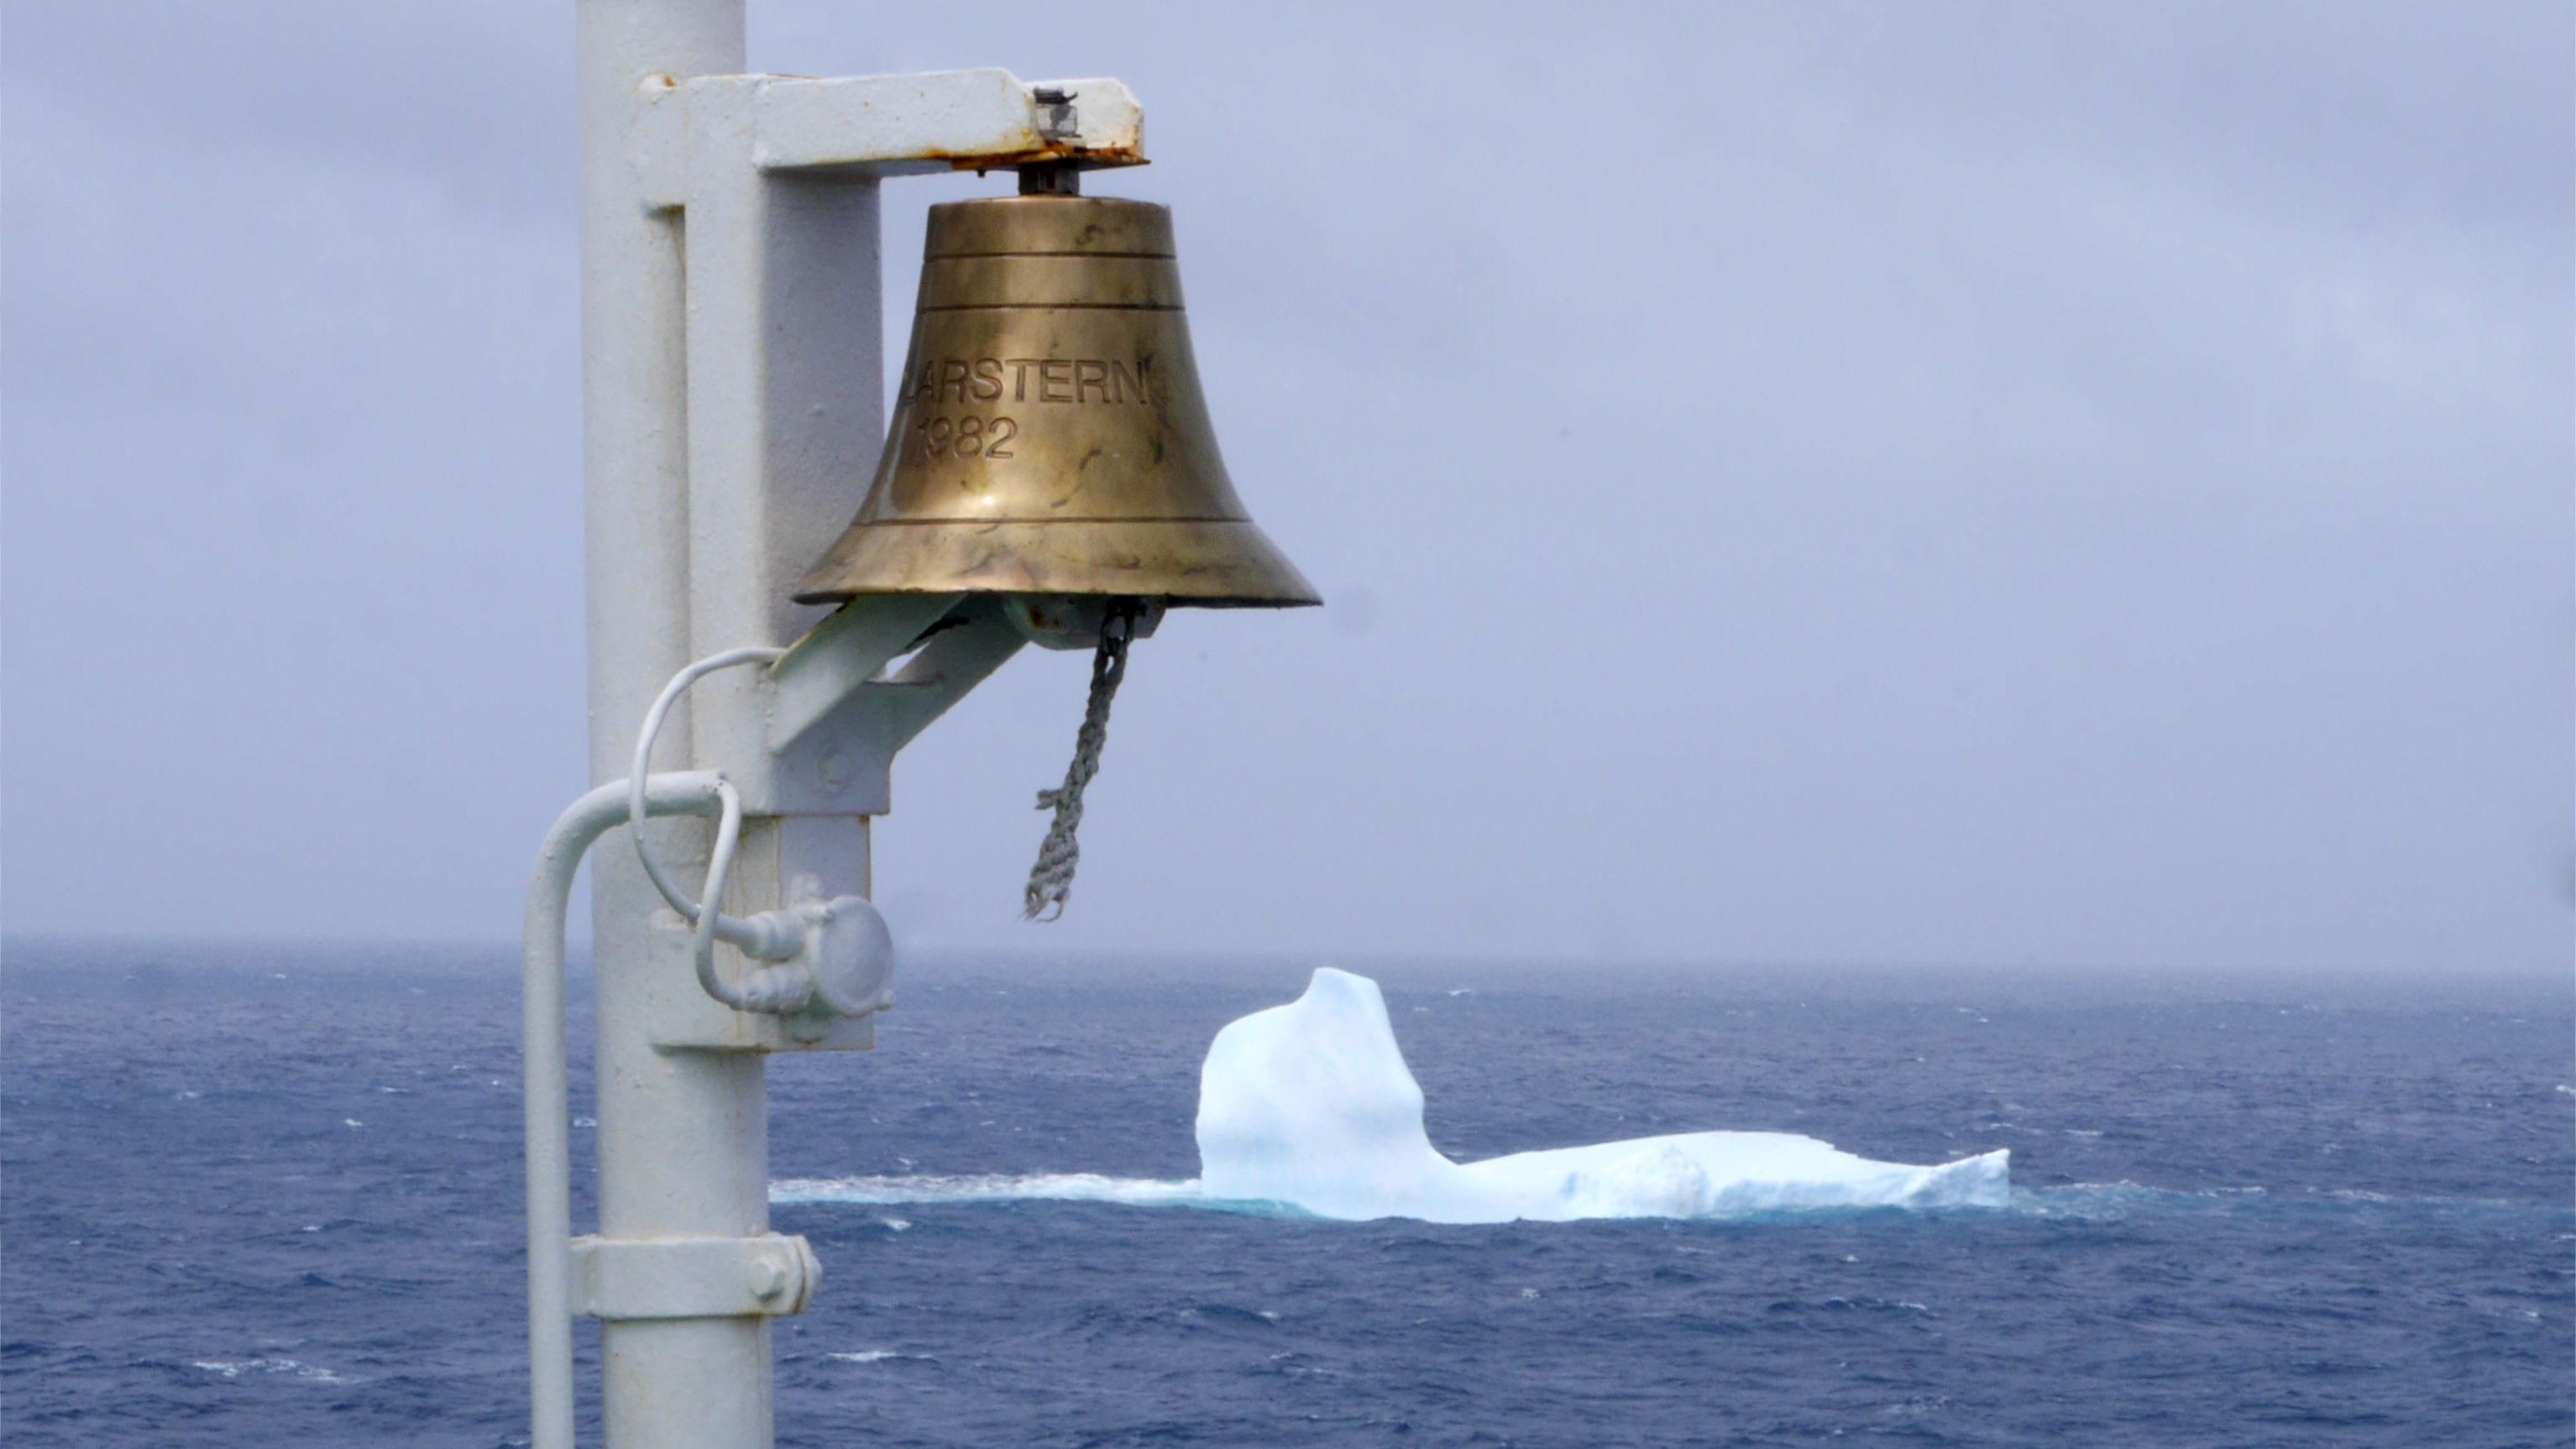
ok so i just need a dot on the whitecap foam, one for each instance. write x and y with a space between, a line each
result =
290 1368
1032 1187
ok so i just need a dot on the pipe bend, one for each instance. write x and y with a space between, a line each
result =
547 1085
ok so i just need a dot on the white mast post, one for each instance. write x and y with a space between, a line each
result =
683 1146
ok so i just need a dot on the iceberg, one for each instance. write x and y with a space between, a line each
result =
1310 1108
1310 1105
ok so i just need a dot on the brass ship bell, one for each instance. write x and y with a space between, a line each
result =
1049 437
1050 444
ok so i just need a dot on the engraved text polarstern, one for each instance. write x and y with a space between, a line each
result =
1031 379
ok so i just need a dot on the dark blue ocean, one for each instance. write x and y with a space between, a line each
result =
261 1198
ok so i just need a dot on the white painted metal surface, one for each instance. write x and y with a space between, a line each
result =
771 1276
682 1135
732 412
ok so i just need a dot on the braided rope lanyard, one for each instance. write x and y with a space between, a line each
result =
1051 879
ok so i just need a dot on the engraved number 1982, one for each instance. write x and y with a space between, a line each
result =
967 437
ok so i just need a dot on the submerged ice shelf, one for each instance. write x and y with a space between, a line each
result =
1310 1106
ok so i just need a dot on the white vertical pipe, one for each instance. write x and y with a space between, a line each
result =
682 1135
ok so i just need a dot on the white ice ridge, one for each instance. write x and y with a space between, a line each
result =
1311 1105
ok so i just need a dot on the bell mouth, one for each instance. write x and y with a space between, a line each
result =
1202 563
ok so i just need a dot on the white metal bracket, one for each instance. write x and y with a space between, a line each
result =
832 717
890 125
769 1276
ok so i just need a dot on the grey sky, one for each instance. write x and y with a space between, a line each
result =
2081 483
